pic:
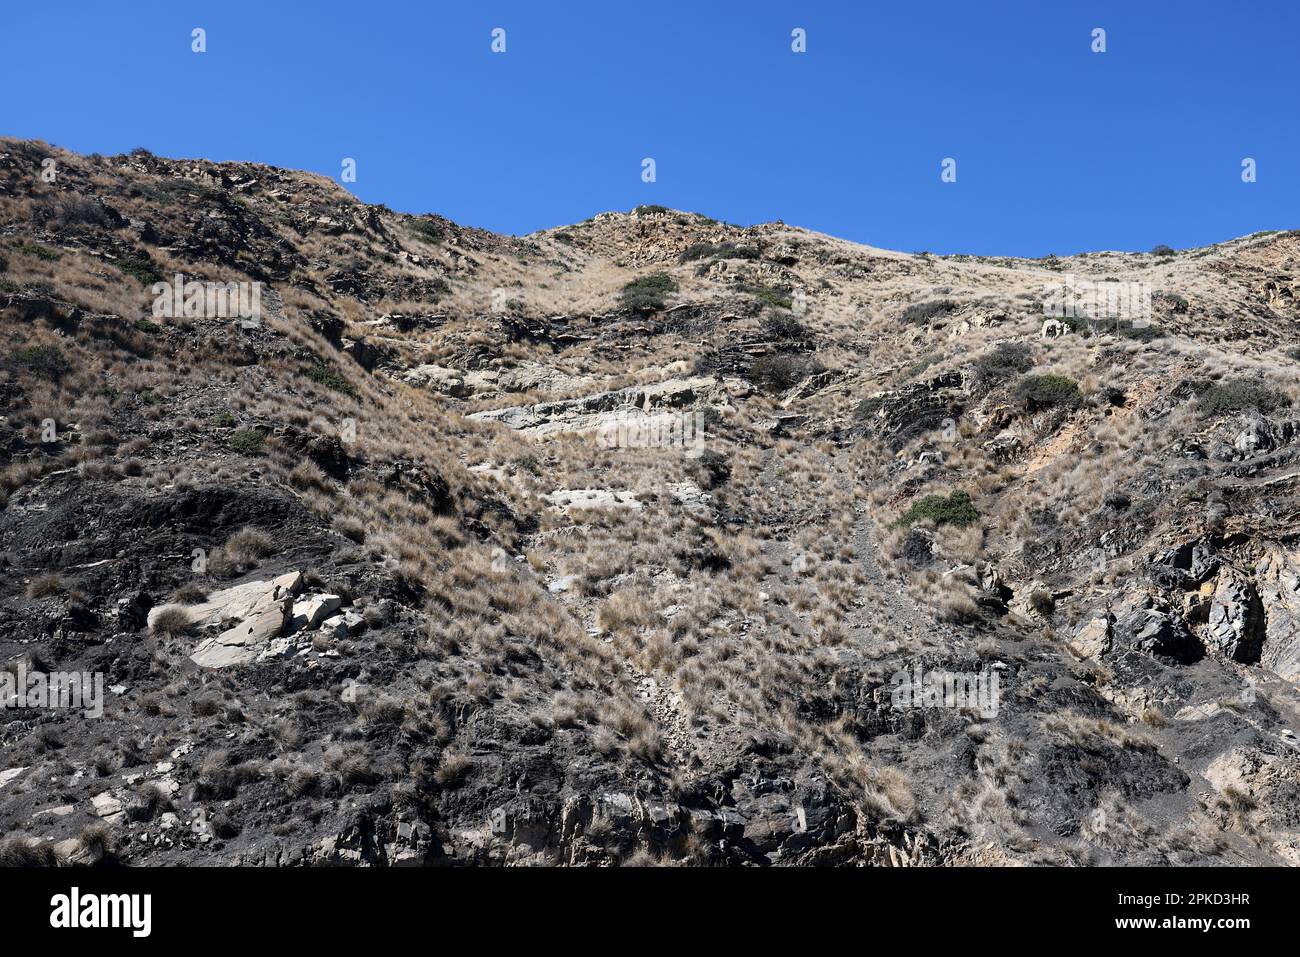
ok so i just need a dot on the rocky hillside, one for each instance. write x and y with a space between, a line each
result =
609 544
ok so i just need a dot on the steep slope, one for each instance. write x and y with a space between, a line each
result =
608 544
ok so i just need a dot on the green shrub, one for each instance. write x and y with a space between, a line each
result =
726 250
783 325
246 441
773 297
426 229
147 325
37 251
922 312
1036 392
956 509
650 210
783 371
140 268
1162 250
1007 360
331 379
43 362
1240 395
646 294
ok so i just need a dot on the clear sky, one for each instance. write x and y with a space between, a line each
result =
1058 149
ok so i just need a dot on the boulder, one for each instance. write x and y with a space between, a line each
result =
1235 625
1093 639
107 806
439 379
310 611
1277 579
258 615
239 602
1186 566
10 774
1156 633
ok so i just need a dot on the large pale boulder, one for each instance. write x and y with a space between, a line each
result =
311 610
1093 639
239 601
250 614
1277 578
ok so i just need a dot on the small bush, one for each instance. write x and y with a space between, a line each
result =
426 229
783 325
647 293
43 362
140 268
919 313
1009 359
779 373
246 441
247 545
331 379
956 509
1162 250
650 210
1036 392
42 586
171 623
1240 395
37 251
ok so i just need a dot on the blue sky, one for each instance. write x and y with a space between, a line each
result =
1058 149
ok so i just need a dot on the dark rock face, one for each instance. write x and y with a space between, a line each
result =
1235 627
1158 633
1186 566
907 413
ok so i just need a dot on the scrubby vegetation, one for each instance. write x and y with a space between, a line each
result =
647 294
920 313
956 508
1035 392
1007 360
1240 395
